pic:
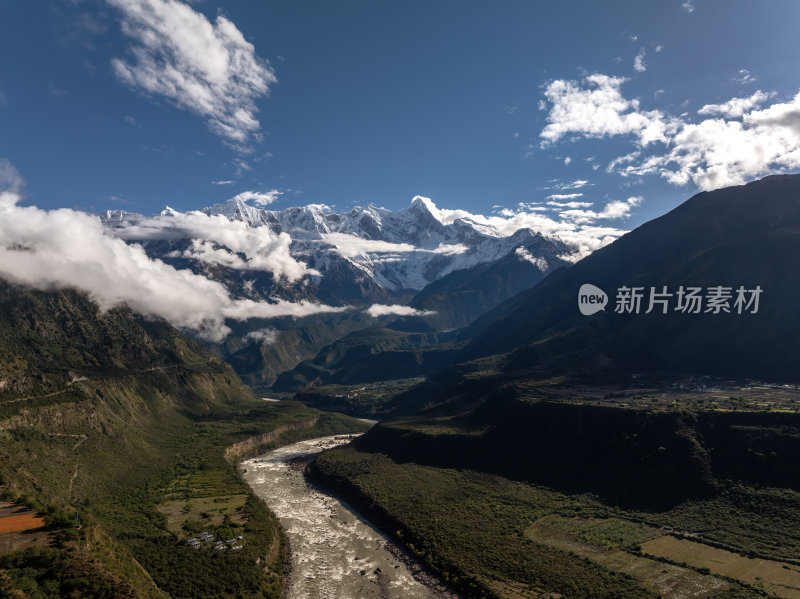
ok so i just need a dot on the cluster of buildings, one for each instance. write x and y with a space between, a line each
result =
206 537
234 544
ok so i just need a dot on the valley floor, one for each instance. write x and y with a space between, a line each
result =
489 536
126 532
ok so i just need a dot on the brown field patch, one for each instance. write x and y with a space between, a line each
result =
772 576
20 528
20 523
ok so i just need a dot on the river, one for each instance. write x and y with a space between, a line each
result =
334 552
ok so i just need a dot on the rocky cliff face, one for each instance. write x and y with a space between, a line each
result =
251 445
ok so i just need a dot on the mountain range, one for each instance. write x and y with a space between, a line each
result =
369 253
734 237
436 274
472 292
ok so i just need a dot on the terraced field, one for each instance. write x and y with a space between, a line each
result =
775 577
608 542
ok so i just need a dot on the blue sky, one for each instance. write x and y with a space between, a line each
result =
477 105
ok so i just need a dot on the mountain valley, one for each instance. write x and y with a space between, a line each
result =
599 444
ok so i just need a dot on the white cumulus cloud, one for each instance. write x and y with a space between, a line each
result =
739 141
595 107
245 247
207 68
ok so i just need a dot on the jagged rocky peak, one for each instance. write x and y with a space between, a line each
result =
237 209
422 206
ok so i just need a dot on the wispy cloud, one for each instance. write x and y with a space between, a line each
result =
744 76
223 182
206 68
11 181
57 92
639 65
736 107
612 210
377 310
262 336
570 204
576 184
350 246
541 263
564 196
688 6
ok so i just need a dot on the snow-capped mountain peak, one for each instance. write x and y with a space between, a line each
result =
167 211
375 248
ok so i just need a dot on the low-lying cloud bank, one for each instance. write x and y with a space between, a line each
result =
377 310
67 248
350 246
262 249
261 336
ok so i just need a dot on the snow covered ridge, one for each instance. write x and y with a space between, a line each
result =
395 250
